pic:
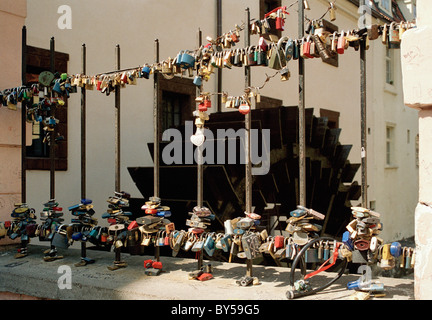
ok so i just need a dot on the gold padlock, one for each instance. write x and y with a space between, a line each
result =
384 35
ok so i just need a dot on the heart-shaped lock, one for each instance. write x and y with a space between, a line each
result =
198 138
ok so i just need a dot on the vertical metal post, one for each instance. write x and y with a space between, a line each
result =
248 122
156 117
83 142
23 116
156 122
52 138
200 194
83 125
117 123
301 116
363 123
219 33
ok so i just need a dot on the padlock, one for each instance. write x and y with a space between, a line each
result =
280 20
402 29
279 242
332 11
334 42
387 261
311 255
289 49
393 34
384 35
251 56
362 244
244 108
285 73
373 32
341 43
307 48
395 249
227 59
197 81
207 103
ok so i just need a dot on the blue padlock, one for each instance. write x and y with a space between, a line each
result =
57 87
86 201
187 60
197 81
145 72
346 240
395 249
297 213
76 236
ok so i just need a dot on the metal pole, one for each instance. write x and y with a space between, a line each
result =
83 125
200 165
117 123
301 117
52 139
363 123
200 148
219 33
248 122
156 117
23 117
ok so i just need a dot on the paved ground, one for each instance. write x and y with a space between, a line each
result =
30 277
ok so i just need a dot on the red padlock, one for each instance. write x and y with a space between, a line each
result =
234 37
132 225
341 43
98 85
124 78
157 265
202 107
57 208
205 276
7 224
244 108
307 48
207 103
279 242
111 221
148 263
150 211
280 21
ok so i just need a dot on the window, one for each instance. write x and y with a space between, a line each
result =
38 60
390 143
172 106
385 5
389 66
176 103
265 7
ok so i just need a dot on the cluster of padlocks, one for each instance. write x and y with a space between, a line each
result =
240 239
